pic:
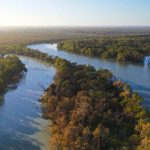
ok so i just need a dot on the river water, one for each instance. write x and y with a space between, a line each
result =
22 126
137 76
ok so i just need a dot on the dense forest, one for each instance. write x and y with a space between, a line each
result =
131 48
10 70
89 111
21 49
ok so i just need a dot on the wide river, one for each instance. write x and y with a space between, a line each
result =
22 126
137 76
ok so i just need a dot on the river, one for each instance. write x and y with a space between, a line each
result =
22 126
137 76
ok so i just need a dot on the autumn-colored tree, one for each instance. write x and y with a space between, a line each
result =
91 112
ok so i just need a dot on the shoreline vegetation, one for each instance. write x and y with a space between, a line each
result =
123 49
11 70
21 49
88 110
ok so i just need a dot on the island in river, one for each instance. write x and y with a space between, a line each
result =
75 83
89 111
121 97
11 69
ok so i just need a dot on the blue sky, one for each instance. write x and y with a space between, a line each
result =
75 12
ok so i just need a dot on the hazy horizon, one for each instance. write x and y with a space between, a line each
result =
74 26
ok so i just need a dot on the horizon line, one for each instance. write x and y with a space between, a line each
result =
72 26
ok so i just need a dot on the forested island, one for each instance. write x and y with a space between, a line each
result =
75 75
128 48
11 68
90 111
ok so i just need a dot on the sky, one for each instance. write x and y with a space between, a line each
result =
74 12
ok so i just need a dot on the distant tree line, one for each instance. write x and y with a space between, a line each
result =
21 49
122 49
91 112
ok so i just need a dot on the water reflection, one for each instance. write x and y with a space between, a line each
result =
147 60
147 64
